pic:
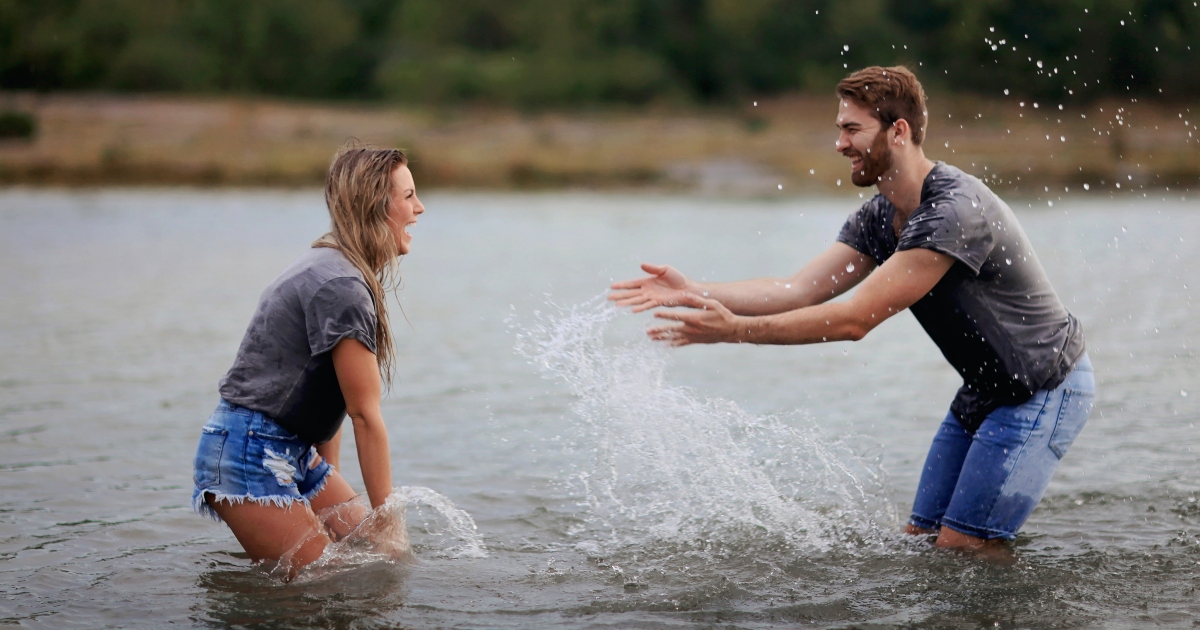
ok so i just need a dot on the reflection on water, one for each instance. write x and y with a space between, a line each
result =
237 597
612 483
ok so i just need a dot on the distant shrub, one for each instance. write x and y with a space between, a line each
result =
17 125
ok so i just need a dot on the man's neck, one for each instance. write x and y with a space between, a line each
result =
902 185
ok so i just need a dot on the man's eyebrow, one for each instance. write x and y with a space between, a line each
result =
845 125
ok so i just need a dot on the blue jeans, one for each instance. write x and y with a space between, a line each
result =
986 485
244 455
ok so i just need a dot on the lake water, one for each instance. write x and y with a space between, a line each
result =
611 483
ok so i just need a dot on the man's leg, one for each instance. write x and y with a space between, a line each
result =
1013 455
939 476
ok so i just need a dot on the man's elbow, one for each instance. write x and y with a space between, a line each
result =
856 330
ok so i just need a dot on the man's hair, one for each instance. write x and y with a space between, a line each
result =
889 94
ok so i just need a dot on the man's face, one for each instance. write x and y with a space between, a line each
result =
865 142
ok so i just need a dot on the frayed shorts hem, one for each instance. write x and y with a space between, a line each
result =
243 456
201 506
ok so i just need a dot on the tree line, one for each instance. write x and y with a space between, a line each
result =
549 53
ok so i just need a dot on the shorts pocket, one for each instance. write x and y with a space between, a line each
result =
207 467
1072 415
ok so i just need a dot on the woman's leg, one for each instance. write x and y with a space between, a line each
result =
336 508
270 532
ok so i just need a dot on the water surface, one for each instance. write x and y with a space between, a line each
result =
612 483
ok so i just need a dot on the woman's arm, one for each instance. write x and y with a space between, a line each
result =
358 376
331 451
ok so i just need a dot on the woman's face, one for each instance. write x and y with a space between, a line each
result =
404 208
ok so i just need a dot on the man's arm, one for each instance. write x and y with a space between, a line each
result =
905 278
358 376
825 277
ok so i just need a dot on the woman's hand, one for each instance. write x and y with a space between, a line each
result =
357 372
661 288
709 322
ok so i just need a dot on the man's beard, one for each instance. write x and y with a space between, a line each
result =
875 164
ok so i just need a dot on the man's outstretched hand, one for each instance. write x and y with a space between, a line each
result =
662 287
708 321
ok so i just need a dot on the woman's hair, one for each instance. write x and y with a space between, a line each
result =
358 192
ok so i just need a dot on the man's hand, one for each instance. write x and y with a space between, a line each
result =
661 288
710 322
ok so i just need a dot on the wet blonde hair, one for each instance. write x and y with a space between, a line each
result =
358 193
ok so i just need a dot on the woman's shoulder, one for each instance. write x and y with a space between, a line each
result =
322 264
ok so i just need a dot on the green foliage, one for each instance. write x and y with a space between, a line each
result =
17 125
534 53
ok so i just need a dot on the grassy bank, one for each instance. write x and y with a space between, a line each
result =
105 139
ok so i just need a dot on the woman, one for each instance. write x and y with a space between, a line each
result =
316 350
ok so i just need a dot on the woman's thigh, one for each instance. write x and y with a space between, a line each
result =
290 534
336 508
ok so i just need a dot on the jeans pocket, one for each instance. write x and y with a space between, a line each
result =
1072 415
207 466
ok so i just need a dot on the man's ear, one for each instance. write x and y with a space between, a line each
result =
903 132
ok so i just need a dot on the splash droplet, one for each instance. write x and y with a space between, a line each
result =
849 267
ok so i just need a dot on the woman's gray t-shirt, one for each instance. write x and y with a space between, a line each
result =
994 315
284 367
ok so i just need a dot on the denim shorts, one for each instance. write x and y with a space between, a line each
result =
243 455
986 485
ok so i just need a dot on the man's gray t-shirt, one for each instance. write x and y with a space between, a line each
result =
284 367
994 315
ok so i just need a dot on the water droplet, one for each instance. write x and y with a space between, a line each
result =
1006 92
1063 138
781 187
704 293
812 171
1008 261
1124 229
756 103
1183 392
839 182
787 286
1039 63
1087 187
846 48
849 267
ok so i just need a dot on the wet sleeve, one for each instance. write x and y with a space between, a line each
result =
856 233
953 225
341 308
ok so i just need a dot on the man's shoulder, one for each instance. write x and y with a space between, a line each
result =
875 207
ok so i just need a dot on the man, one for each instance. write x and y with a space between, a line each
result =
938 241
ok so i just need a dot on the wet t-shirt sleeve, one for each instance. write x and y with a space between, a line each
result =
342 308
951 223
867 230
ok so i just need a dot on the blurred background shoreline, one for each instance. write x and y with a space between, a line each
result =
712 96
748 149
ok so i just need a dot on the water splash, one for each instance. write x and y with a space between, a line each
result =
666 465
441 529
